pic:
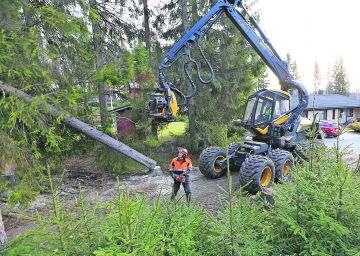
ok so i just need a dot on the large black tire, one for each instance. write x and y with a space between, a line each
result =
257 172
283 161
207 162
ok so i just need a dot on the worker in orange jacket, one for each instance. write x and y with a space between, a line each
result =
180 168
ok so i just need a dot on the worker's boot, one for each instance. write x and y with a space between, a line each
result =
188 197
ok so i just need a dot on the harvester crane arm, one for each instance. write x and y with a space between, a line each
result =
250 29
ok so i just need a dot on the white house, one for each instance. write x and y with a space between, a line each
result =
331 106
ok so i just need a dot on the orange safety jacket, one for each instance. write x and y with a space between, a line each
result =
183 165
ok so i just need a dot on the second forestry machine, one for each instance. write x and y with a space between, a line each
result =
279 130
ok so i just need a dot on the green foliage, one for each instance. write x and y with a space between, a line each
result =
62 231
135 227
42 54
129 67
355 126
152 142
318 214
142 58
125 225
172 130
250 220
218 135
338 81
110 160
111 75
339 78
133 67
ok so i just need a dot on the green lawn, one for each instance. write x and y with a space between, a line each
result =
172 130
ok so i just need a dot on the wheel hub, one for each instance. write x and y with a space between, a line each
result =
216 166
286 168
266 176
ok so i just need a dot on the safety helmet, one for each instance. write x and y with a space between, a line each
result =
183 151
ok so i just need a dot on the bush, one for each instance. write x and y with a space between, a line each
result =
355 126
137 227
319 213
250 219
111 160
152 142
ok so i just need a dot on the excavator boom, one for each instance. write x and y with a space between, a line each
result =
250 29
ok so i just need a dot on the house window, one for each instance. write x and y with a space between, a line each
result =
350 112
341 114
333 114
325 114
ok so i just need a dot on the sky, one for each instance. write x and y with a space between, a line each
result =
310 30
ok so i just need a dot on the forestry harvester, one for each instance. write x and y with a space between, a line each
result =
279 131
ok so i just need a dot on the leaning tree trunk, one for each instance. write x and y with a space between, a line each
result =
85 128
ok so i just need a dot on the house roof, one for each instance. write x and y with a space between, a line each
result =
329 101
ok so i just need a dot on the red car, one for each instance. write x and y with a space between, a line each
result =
330 129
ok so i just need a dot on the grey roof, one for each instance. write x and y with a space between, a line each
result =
329 101
326 101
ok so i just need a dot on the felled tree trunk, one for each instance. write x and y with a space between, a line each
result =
87 129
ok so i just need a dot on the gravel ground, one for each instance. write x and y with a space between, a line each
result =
348 139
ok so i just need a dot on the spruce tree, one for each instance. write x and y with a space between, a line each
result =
317 77
292 67
330 85
340 79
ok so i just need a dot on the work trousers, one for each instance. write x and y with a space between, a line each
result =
186 186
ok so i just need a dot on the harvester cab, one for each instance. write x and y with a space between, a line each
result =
265 111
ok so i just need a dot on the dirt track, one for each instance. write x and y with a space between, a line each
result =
206 192
103 186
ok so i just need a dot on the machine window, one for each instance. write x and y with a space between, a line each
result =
281 107
249 108
263 111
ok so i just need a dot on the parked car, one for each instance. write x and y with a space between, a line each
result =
330 129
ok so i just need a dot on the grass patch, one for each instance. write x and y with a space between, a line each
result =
172 130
